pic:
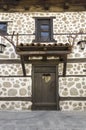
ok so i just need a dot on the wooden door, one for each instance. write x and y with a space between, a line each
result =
44 88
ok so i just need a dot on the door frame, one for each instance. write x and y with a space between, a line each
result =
57 82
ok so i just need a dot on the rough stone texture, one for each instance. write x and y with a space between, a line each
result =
13 87
72 87
14 69
65 93
24 23
73 105
23 91
15 105
73 92
12 92
74 69
7 84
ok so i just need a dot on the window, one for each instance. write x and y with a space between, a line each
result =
44 29
3 27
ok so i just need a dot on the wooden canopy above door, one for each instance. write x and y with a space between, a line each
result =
36 50
43 49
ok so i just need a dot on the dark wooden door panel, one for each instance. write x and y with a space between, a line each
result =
45 69
44 88
45 106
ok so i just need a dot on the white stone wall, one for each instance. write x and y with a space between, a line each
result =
73 86
11 87
24 23
73 69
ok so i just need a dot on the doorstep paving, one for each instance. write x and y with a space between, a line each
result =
42 120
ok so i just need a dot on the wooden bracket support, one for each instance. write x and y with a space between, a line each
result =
23 65
64 65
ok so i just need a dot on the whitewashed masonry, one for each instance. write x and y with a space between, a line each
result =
24 23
